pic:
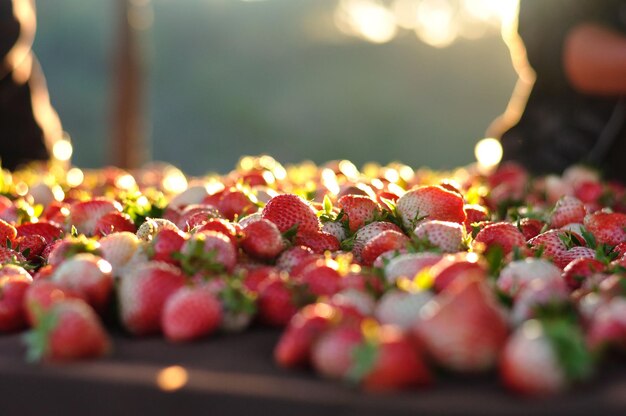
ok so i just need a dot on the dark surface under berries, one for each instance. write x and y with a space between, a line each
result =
235 375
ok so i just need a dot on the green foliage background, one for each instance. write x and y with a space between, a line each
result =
227 78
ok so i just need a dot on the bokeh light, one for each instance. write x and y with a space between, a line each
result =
172 378
488 152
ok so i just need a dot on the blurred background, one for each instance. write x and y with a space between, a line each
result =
416 81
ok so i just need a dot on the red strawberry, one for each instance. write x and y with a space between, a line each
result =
568 210
8 256
292 257
59 250
262 239
463 329
321 277
165 244
550 243
114 222
288 211
208 251
88 275
389 362
588 191
196 215
389 240
318 241
294 347
359 209
55 212
31 246
191 313
12 291
276 302
235 203
460 266
332 354
502 234
142 293
42 294
85 215
336 229
255 277
474 213
445 235
7 232
70 330
365 234
607 228
530 227
48 231
580 269
432 203
232 230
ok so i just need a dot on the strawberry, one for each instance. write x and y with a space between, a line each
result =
501 234
453 267
7 232
388 362
143 291
588 191
462 328
118 249
10 256
88 275
235 203
401 308
386 241
48 231
232 230
408 265
568 210
59 250
276 302
365 234
318 241
152 226
31 246
445 235
550 243
208 251
70 330
196 215
255 277
359 209
288 211
12 291
165 244
293 257
530 227
55 212
304 328
541 358
562 259
191 313
85 215
321 277
114 221
332 354
432 203
336 229
42 294
474 213
580 269
520 274
607 228
262 239
606 326
194 194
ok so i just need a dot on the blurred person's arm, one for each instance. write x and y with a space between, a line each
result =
595 59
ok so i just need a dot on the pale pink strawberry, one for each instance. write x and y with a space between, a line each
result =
288 211
318 241
463 328
69 330
386 241
537 295
152 226
88 275
191 313
13 288
445 235
366 233
7 232
118 249
60 250
232 230
502 234
114 222
607 228
401 308
607 324
410 264
358 298
518 275
262 240
194 194
85 215
550 243
42 294
294 256
568 210
432 203
359 209
196 215
459 266
332 354
336 229
249 218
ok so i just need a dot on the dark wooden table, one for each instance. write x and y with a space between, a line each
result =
235 375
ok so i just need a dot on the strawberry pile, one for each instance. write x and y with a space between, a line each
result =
381 277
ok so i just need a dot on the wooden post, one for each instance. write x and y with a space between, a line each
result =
128 147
